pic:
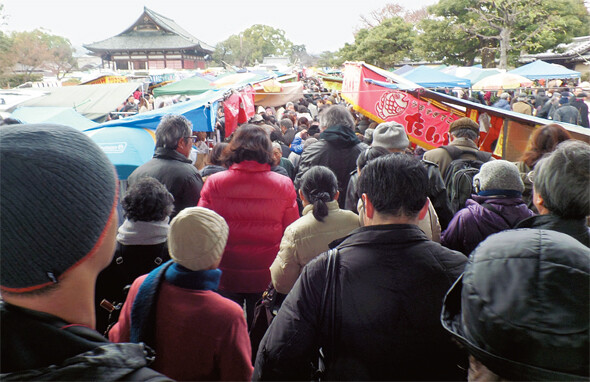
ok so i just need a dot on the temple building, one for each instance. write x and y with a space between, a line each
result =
152 42
574 55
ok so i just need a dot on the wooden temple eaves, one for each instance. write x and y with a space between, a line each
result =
152 42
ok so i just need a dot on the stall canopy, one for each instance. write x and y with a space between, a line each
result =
189 86
92 101
126 147
503 81
432 78
539 70
290 92
472 73
200 110
60 115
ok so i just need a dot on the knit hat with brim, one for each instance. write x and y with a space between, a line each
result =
59 194
197 238
390 135
521 306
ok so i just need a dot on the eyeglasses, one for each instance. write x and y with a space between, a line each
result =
191 138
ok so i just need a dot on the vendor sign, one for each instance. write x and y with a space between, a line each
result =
375 95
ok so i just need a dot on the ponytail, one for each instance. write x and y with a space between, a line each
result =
319 186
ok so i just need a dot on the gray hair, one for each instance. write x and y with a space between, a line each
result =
277 145
171 128
466 133
336 116
562 178
287 123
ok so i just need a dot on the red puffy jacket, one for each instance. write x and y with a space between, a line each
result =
258 205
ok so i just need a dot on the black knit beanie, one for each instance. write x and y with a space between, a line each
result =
58 193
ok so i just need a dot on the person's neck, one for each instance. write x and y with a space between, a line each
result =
72 301
383 219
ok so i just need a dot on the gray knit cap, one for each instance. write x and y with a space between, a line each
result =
197 238
59 192
390 135
498 175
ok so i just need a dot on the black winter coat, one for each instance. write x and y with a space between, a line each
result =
576 228
38 346
176 172
391 281
339 158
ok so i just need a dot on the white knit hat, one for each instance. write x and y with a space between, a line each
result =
498 175
197 238
390 135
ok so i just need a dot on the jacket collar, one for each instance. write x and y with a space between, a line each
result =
250 166
389 234
170 154
332 205
464 142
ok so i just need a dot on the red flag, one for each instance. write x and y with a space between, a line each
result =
231 109
247 110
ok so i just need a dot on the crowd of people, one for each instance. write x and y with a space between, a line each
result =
566 104
389 267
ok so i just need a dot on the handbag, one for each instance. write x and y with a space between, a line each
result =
318 371
265 311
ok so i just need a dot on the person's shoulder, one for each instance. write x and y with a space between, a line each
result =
223 306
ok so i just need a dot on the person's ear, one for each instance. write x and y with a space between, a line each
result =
301 195
424 210
337 195
369 209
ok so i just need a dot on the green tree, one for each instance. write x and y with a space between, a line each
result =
252 45
328 59
36 50
499 29
383 45
61 59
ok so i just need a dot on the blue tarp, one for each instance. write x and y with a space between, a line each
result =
403 70
54 114
432 78
539 70
126 147
201 110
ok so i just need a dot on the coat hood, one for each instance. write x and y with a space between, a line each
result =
521 306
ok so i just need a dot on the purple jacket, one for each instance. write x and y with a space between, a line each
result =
472 224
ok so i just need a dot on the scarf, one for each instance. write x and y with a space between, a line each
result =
143 311
504 193
340 136
133 232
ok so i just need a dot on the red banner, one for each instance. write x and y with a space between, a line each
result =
231 109
426 121
247 110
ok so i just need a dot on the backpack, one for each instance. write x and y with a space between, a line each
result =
459 175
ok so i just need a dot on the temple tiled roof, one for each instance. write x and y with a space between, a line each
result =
577 50
151 31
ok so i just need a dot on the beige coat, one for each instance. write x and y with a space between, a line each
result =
305 239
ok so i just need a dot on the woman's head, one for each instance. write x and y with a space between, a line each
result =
147 200
216 153
544 140
249 142
319 186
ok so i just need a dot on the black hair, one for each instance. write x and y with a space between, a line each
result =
395 184
319 186
147 200
369 154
